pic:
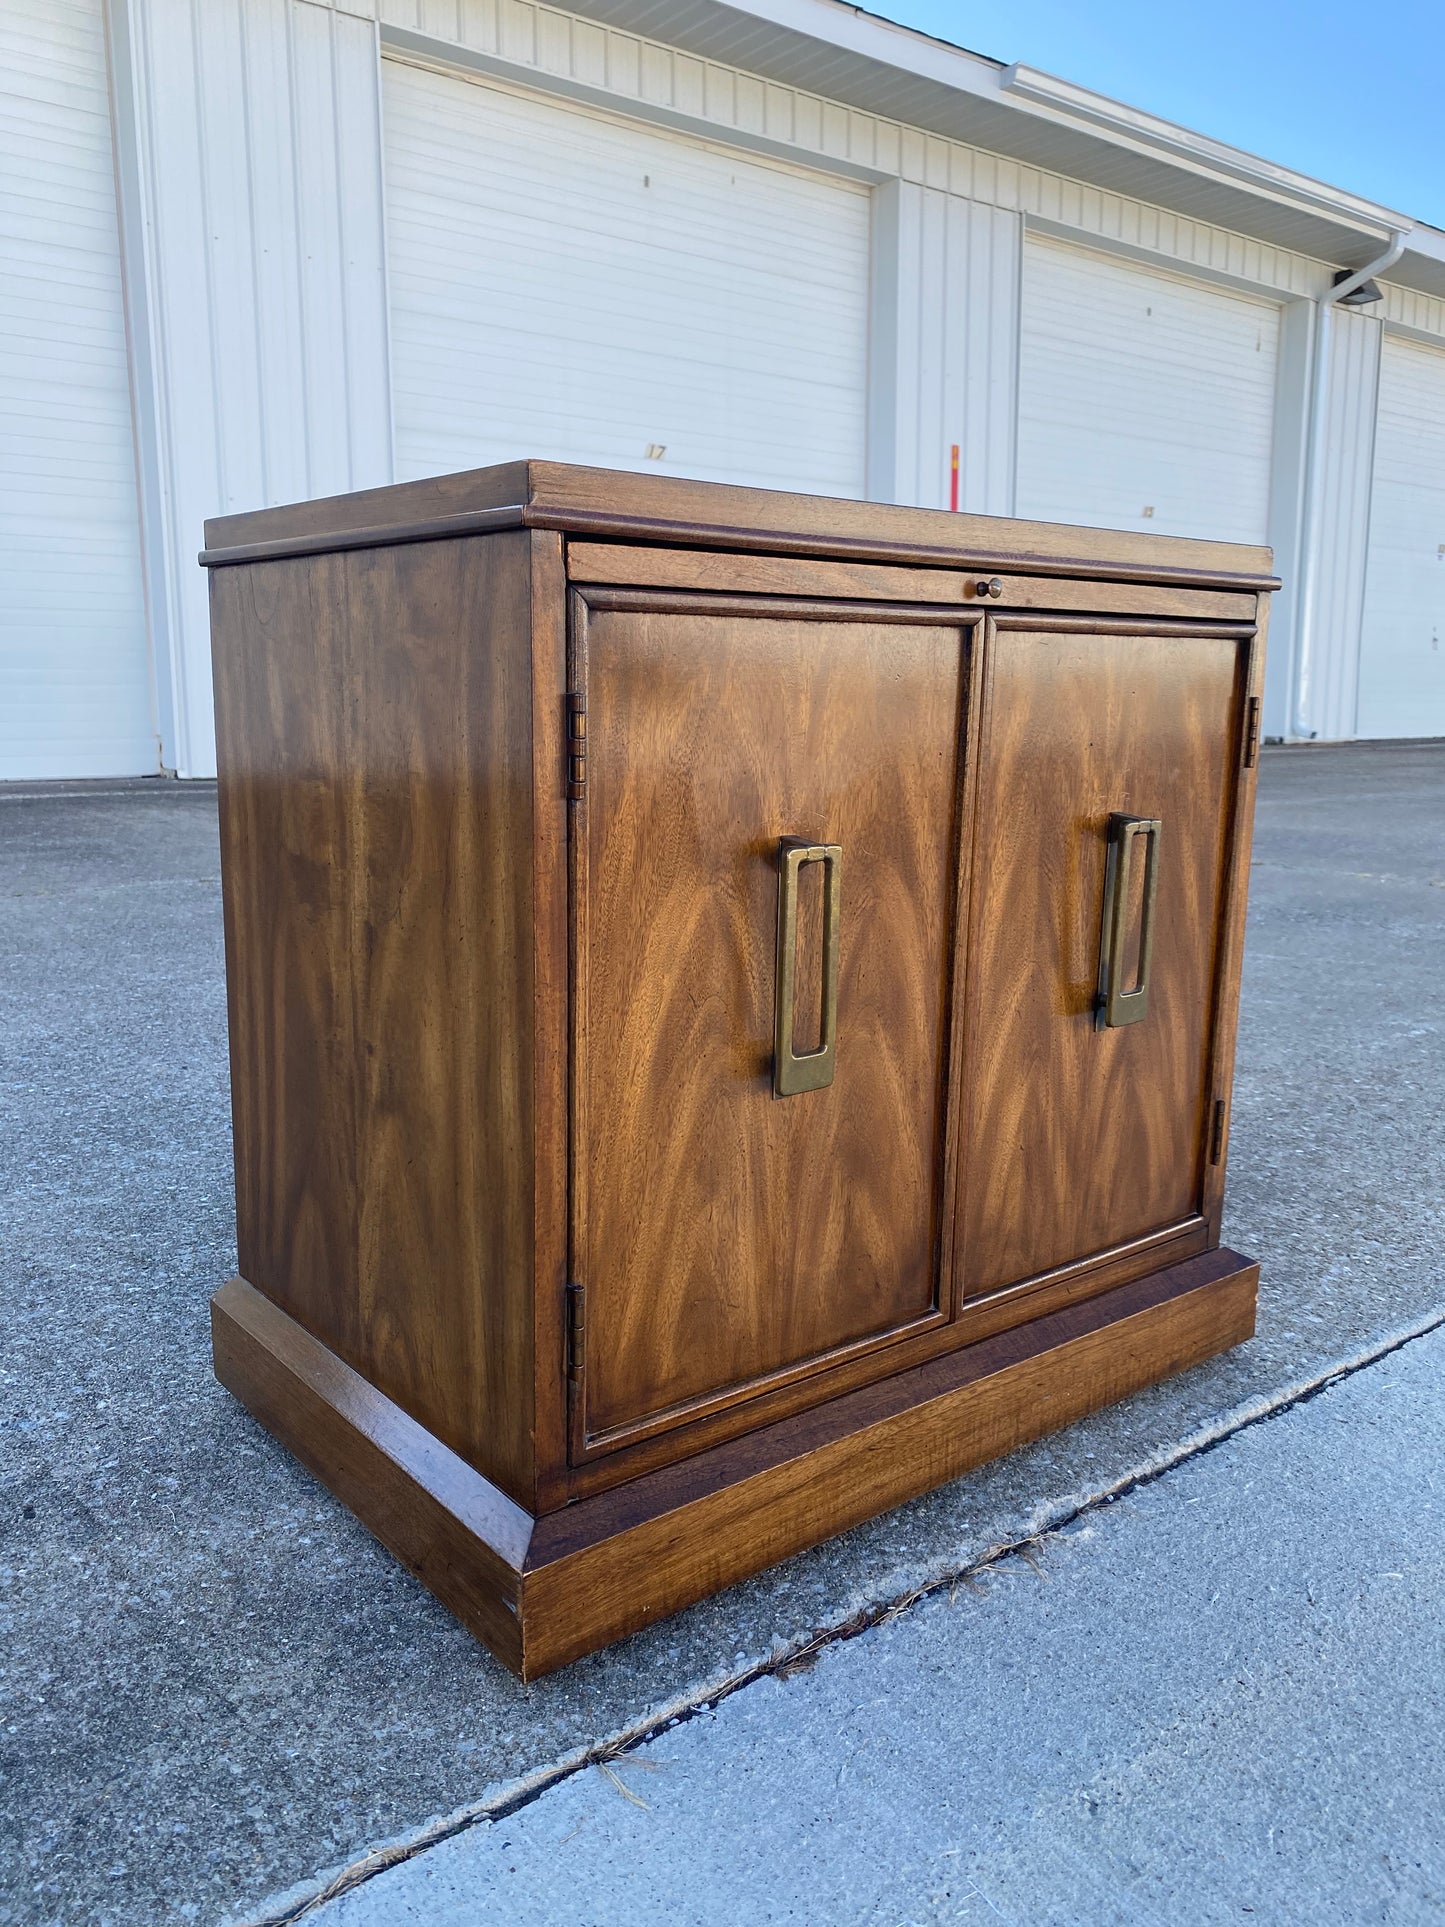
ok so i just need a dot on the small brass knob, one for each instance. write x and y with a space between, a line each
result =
990 586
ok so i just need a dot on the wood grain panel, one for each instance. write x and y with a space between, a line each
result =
1078 1139
376 791
724 1235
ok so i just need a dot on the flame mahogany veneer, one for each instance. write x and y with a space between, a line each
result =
538 1273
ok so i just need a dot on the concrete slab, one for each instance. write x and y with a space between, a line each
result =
215 1682
1221 1698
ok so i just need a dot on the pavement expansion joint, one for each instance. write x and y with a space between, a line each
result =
787 1661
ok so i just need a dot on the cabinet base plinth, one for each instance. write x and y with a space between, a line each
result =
541 1591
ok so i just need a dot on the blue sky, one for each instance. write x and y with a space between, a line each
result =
1353 94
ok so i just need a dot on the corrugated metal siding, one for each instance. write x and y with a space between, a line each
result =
258 128
1143 392
75 688
551 44
1402 662
951 337
568 285
1407 308
288 106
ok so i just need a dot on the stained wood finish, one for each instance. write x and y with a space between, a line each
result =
543 1592
1080 1139
490 1045
724 1235
376 789
769 575
655 508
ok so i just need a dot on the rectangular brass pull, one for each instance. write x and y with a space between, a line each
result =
813 1069
1115 1004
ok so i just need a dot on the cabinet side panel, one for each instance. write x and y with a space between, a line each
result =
375 729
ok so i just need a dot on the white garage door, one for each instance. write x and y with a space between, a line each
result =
1402 647
1145 401
74 669
576 287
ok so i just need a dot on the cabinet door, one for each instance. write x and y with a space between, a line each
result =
726 1238
1080 1139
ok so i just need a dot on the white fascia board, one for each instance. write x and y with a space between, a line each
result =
1031 95
1146 131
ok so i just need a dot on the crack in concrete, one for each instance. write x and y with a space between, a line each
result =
1048 1520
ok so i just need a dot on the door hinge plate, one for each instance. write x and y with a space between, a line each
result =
1251 732
1216 1131
576 744
576 1332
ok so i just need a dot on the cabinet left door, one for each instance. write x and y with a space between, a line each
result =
728 1240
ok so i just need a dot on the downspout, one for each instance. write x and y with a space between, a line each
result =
1314 465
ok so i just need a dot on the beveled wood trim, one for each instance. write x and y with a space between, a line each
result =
1231 958
603 1567
1045 623
578 925
663 1426
636 566
440 528
1065 1284
667 509
732 1404
460 1534
551 974
985 554
975 1319
685 602
541 1592
586 495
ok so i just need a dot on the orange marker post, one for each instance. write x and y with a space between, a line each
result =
953 479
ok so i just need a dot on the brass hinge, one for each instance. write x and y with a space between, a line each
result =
1216 1132
576 744
1251 732
576 1332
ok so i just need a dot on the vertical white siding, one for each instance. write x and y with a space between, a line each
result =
75 684
259 224
259 307
1328 665
572 286
1286 518
946 349
1145 401
1402 667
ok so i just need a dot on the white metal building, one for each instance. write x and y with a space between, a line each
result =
257 250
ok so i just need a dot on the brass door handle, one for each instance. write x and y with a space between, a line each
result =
813 1070
1115 1005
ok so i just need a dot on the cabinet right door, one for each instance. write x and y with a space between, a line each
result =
1083 1138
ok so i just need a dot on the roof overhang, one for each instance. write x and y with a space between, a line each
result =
864 61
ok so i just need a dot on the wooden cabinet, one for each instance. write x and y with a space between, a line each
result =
732 1005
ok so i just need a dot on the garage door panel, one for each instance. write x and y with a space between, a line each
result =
75 696
1141 391
568 285
1402 650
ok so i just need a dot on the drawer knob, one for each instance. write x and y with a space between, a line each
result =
990 585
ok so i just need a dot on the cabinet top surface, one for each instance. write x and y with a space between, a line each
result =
664 508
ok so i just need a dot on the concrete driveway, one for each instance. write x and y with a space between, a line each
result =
218 1690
